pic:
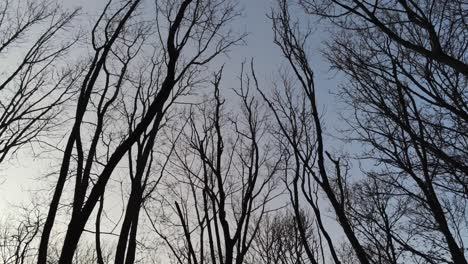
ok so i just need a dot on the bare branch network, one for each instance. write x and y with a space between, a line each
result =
160 152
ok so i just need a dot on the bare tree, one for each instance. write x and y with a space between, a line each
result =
18 236
96 66
408 75
85 254
225 174
205 174
198 24
301 131
34 83
406 66
418 138
145 164
435 30
279 240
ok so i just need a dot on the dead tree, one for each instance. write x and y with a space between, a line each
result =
404 116
224 174
407 71
18 236
34 84
279 240
431 29
300 126
188 23
145 164
95 68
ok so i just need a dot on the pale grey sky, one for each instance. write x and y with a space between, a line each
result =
20 175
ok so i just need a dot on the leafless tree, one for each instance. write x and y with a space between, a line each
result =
435 30
34 82
84 254
198 24
279 240
205 174
294 105
96 66
145 163
406 66
224 177
18 236
406 61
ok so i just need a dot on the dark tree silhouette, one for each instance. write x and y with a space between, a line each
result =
34 83
407 70
245 175
301 132
83 171
18 236
195 23
279 241
225 174
406 66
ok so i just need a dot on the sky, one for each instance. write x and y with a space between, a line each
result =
28 173
19 176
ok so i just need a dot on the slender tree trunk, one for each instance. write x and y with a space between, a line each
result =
100 259
130 259
457 253
44 243
132 210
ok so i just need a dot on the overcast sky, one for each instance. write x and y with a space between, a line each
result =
19 176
